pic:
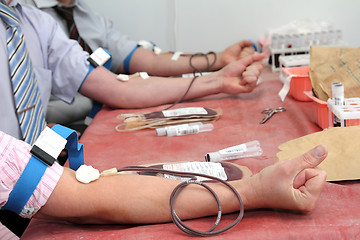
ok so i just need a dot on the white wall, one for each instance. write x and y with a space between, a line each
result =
203 25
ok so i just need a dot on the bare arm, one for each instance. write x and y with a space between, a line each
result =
144 60
238 77
294 184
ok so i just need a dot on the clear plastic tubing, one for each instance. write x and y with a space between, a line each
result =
249 149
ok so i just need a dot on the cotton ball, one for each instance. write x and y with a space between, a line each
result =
86 174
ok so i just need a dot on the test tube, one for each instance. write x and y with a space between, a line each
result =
338 93
282 42
275 41
276 44
184 129
162 131
296 41
324 38
337 89
249 149
309 39
316 38
302 40
338 36
288 40
332 37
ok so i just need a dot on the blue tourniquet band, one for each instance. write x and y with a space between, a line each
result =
127 60
36 168
97 105
75 149
26 185
107 65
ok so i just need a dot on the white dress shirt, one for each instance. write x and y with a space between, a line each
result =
60 64
96 30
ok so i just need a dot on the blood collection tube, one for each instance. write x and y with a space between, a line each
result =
337 89
309 39
275 41
249 149
302 40
338 36
184 129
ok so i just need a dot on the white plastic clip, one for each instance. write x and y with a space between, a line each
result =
146 44
124 77
50 142
144 75
150 46
157 50
176 56
99 57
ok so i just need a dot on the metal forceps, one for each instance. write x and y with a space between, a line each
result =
270 112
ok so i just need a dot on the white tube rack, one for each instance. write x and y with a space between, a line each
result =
350 110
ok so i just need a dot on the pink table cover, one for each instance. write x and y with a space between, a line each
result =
336 215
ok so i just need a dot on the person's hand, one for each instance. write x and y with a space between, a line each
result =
240 76
236 51
294 184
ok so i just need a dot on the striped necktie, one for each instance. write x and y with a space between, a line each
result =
26 92
67 14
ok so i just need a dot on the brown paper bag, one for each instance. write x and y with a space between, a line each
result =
334 64
343 143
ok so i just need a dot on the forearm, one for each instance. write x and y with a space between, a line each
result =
151 203
134 199
102 85
161 65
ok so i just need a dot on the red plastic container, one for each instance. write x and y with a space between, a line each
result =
319 110
299 83
320 113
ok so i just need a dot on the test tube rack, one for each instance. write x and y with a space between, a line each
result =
299 44
298 60
348 114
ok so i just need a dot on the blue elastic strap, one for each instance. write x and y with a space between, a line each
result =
108 63
91 67
95 109
36 168
26 185
97 105
75 149
127 60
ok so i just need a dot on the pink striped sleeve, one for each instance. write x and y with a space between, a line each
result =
6 234
43 190
14 155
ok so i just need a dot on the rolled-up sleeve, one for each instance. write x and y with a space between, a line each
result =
68 63
14 156
6 234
